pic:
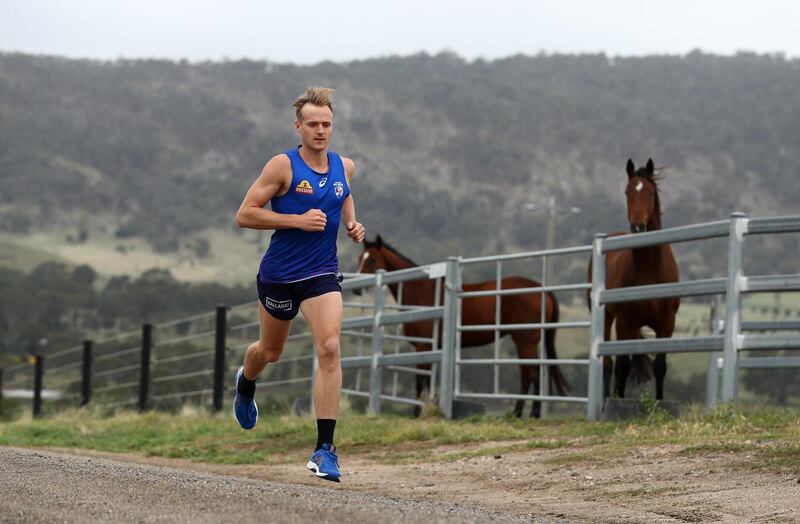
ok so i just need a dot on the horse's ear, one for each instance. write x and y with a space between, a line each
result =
378 241
630 168
650 167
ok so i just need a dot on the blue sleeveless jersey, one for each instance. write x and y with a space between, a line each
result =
294 254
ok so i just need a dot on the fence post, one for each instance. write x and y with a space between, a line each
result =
733 313
86 375
594 404
219 357
37 385
144 368
1 391
375 375
712 379
452 285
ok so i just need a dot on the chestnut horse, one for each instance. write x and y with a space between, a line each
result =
637 267
514 309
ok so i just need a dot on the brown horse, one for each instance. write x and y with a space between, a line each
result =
636 267
514 309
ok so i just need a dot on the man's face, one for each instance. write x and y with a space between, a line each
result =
315 126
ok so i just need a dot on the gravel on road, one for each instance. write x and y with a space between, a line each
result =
37 486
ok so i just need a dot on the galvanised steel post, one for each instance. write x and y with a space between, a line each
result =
86 375
733 304
37 385
144 369
712 379
375 375
594 404
219 356
452 286
544 371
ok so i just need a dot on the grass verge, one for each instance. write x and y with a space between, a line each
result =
771 435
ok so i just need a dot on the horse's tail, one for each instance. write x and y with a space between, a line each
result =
550 347
641 369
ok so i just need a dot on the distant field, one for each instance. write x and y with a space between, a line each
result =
17 253
233 259
233 256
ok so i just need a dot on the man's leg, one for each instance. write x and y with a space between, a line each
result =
268 348
324 316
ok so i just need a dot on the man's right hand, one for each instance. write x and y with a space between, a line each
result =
312 220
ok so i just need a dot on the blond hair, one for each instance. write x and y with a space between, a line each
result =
315 95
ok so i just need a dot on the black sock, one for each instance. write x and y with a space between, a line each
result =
325 428
245 387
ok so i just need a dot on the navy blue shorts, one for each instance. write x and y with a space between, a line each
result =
282 301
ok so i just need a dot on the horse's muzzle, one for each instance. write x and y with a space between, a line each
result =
638 228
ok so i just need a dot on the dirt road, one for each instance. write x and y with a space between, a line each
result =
44 486
651 484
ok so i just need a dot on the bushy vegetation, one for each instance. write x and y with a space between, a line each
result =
448 151
64 305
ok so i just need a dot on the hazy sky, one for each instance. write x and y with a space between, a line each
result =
310 31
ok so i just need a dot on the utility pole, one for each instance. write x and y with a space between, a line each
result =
550 242
554 216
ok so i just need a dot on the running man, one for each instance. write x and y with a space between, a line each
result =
308 189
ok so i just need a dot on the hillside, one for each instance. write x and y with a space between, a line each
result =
151 158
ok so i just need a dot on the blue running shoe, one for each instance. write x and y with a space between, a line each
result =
324 463
244 409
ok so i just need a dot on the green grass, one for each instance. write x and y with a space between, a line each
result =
771 435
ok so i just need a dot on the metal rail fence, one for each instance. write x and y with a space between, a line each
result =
731 341
162 365
715 359
498 327
384 315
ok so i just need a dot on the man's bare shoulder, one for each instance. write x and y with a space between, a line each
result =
279 162
349 167
278 168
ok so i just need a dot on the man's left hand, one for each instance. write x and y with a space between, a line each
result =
356 231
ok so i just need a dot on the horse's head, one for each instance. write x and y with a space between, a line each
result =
642 194
373 258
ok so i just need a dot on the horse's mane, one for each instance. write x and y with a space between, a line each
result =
399 254
654 178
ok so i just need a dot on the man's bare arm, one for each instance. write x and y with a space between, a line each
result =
355 230
274 180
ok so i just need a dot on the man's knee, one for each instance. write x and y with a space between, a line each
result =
328 351
267 353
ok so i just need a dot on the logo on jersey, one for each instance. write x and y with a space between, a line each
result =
323 182
305 188
338 188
